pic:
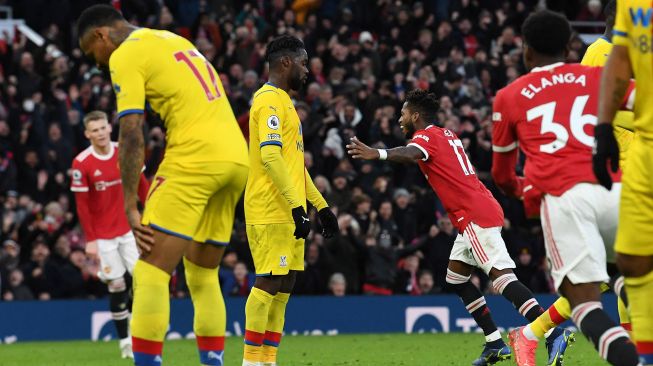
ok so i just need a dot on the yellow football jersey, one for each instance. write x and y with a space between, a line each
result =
165 71
273 120
597 55
633 28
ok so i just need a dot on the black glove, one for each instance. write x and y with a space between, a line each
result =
302 222
329 222
606 148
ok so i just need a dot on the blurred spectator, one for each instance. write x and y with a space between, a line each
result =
426 283
337 284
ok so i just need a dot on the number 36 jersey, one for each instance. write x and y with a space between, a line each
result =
165 71
453 178
550 113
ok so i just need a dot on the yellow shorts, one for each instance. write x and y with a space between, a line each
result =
193 204
636 208
274 249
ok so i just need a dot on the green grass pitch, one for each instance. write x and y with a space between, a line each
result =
377 349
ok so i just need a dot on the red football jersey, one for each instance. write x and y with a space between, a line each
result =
453 178
98 191
550 113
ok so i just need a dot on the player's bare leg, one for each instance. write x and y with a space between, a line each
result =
638 279
151 309
201 262
611 340
495 349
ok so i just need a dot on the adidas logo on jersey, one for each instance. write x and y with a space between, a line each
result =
97 173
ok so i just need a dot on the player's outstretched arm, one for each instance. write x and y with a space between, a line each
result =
403 154
131 158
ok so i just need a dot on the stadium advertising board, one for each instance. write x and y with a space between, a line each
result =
78 319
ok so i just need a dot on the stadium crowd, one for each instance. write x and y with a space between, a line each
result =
363 57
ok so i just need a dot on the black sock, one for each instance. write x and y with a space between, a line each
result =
118 304
519 295
475 304
608 338
617 285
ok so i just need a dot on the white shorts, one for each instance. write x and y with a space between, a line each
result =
579 232
117 256
481 247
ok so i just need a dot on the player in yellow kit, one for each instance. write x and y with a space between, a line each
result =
275 200
632 54
190 208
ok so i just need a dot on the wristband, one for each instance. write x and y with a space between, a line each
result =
383 154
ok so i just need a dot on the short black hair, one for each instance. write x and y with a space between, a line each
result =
610 9
424 103
282 46
547 32
97 16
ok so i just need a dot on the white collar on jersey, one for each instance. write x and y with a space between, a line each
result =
547 67
103 157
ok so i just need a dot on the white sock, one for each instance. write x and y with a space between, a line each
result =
528 333
125 341
494 336
248 363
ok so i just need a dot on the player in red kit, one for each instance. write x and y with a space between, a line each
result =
471 208
98 192
550 113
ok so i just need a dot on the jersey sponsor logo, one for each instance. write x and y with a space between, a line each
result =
496 116
103 185
97 173
274 136
273 122
283 261
423 137
569 78
640 15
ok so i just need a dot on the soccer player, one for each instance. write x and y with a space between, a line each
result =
548 112
473 210
98 194
275 200
190 208
631 55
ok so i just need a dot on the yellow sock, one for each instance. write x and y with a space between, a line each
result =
555 315
274 329
210 318
639 291
150 311
256 318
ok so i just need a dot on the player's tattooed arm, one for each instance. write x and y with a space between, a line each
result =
614 83
132 154
404 154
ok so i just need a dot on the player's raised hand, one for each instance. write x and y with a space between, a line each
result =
606 148
329 222
143 234
302 222
359 150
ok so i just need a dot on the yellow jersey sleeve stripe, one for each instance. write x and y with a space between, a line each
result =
130 111
266 143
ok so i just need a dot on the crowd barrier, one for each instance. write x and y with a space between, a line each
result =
86 319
